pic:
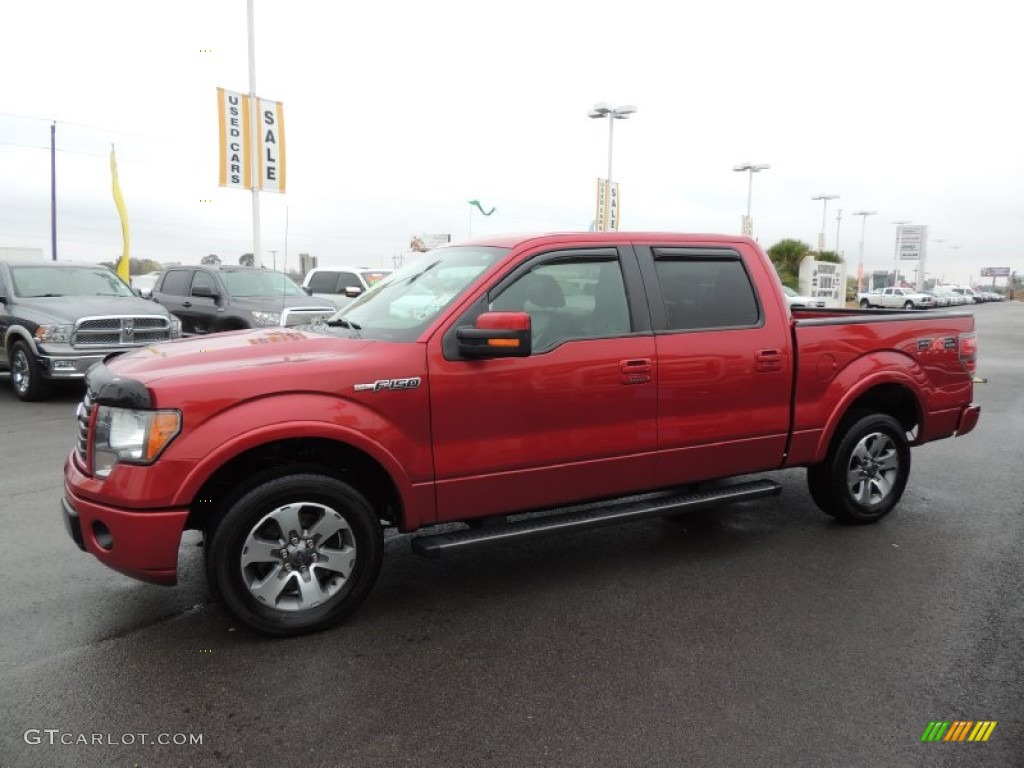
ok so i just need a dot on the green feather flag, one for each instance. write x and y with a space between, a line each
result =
477 204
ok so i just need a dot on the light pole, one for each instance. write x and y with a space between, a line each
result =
824 212
954 249
612 113
751 169
899 243
860 262
839 220
924 255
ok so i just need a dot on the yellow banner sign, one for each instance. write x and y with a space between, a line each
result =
237 164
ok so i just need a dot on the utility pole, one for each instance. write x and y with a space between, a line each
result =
53 189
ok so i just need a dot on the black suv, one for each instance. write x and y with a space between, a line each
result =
209 299
58 319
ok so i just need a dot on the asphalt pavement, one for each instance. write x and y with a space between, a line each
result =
763 634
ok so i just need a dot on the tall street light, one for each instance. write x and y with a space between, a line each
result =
839 220
824 213
860 262
612 113
938 255
751 169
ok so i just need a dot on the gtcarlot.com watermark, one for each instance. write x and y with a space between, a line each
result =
57 737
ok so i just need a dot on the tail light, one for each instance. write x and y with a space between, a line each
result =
969 352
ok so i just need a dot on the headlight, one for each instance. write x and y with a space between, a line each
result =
134 437
267 318
175 327
58 334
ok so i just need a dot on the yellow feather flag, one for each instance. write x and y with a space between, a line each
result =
122 264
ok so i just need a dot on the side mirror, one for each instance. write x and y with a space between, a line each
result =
205 292
308 291
496 334
352 291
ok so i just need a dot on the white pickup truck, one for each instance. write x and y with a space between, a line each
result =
896 298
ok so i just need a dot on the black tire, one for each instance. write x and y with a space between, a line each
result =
865 304
312 575
866 470
908 305
26 380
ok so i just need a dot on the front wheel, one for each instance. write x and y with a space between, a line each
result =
26 380
296 554
865 472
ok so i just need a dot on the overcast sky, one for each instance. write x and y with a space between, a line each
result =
397 114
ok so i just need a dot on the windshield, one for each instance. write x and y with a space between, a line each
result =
34 282
399 308
259 282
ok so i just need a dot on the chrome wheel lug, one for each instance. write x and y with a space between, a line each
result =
287 566
295 541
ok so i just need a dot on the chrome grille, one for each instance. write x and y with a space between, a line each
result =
303 315
120 331
83 416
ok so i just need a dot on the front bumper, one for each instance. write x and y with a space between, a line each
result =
140 544
67 366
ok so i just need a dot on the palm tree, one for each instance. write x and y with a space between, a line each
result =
786 255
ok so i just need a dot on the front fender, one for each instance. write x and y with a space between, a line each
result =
400 445
16 332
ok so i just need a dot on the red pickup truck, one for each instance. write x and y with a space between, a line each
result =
500 390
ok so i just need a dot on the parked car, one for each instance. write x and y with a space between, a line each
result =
209 299
342 284
968 293
940 300
142 285
896 298
57 319
951 298
598 378
794 299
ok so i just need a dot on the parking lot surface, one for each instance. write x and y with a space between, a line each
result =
763 634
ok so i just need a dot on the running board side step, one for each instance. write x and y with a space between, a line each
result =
596 515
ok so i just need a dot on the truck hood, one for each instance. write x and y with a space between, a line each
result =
68 309
231 354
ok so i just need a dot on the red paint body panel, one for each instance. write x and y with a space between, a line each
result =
145 544
587 419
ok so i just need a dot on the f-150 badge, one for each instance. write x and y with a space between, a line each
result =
380 384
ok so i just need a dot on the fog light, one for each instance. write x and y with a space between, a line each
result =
63 365
102 534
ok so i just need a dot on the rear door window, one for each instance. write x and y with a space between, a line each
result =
706 289
176 282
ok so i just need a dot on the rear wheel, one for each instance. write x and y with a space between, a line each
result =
865 472
296 554
864 304
26 380
908 305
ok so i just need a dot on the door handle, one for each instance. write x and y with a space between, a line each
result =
186 303
635 371
769 359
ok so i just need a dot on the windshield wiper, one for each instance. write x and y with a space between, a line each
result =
342 322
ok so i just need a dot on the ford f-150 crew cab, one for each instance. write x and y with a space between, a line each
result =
537 384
